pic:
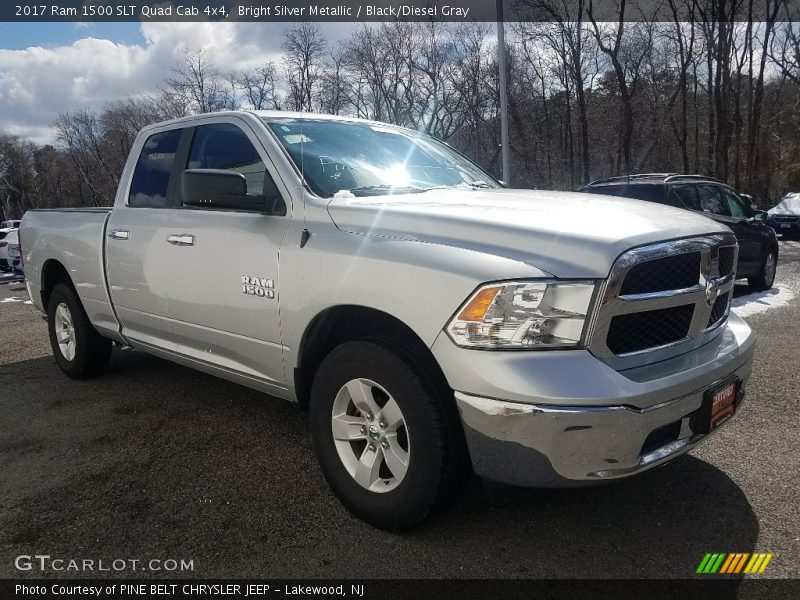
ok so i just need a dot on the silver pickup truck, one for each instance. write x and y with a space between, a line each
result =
431 320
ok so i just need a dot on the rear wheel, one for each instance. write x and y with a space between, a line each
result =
386 439
766 278
78 349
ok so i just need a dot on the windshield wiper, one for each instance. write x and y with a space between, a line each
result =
386 189
480 184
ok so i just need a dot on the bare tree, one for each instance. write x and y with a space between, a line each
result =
704 90
259 87
611 42
197 84
304 54
785 51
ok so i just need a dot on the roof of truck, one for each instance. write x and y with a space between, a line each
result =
266 114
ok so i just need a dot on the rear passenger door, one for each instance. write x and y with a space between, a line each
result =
223 298
136 236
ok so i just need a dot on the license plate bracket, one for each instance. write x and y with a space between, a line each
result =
719 404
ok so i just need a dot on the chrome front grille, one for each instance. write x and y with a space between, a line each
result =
664 299
662 274
633 332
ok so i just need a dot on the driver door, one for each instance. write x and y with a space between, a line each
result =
748 233
224 298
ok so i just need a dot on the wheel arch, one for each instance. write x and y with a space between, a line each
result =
342 323
53 273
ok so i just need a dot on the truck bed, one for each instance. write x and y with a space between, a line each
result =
75 237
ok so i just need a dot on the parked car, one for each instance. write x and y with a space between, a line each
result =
758 244
10 224
4 265
785 216
14 252
425 315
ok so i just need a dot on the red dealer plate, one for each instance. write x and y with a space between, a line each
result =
723 404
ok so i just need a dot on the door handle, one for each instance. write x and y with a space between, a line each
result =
119 234
181 239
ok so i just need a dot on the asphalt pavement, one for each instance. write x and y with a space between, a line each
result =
154 460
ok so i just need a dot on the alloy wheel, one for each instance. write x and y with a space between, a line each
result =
769 269
371 435
65 331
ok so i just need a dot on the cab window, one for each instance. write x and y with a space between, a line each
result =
225 146
150 183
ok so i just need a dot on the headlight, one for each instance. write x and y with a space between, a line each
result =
533 314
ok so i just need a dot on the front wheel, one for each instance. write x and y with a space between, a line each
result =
79 350
386 439
766 278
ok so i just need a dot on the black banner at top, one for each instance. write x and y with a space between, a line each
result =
395 10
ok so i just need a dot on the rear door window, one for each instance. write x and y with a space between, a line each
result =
150 183
686 196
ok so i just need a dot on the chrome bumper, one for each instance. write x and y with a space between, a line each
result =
537 442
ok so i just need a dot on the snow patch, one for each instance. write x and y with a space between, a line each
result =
758 302
11 299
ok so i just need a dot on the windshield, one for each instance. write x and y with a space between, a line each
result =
367 159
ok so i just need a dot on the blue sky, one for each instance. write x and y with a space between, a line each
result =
14 36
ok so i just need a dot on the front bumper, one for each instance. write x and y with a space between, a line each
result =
582 422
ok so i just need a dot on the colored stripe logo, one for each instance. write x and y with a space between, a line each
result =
735 562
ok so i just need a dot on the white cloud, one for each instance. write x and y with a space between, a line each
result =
36 84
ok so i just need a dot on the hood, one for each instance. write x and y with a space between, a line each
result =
788 206
566 234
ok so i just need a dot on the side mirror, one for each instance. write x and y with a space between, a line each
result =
215 188
758 215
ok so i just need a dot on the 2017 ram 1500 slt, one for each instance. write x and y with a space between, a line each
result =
427 317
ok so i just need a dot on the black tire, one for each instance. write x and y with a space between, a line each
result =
437 457
92 352
764 280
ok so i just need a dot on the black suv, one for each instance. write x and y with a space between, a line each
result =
758 244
